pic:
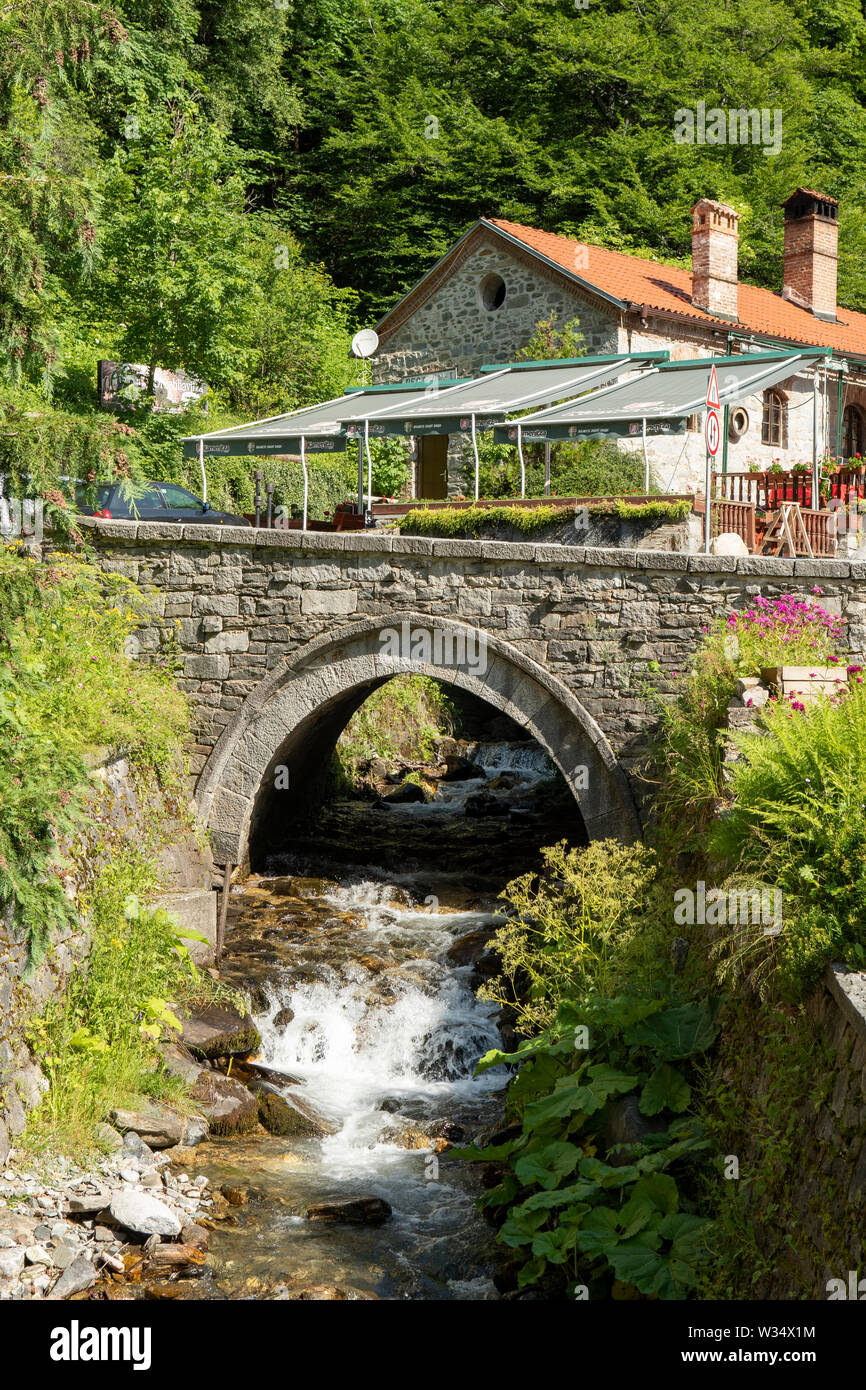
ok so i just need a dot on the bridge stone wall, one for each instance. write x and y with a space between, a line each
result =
594 632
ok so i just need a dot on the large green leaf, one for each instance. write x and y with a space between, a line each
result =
666 1089
678 1032
547 1165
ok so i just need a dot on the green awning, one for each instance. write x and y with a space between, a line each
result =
664 397
488 400
320 426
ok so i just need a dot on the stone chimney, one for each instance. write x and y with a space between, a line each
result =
715 234
811 252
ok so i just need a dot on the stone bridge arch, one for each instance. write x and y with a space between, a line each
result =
295 715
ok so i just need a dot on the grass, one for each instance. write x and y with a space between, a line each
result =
400 719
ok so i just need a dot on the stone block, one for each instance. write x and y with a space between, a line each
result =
337 602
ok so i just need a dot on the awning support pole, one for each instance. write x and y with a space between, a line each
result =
708 504
306 484
547 469
816 501
369 465
646 467
522 464
203 474
360 477
477 460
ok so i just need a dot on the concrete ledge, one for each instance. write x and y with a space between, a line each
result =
823 568
412 545
712 564
518 553
660 560
164 531
458 550
848 988
287 540
324 540
765 564
226 535
121 530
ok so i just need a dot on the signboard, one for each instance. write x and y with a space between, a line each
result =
713 402
313 444
625 429
123 385
713 432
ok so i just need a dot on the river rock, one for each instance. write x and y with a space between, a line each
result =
483 804
220 1031
326 1293
460 769
143 1214
158 1126
11 1262
88 1203
467 949
80 1275
283 1018
228 1107
355 1211
108 1137
406 792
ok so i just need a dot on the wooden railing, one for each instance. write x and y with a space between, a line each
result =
769 490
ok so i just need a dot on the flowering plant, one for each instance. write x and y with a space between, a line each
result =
786 630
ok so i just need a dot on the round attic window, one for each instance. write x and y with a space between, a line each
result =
492 291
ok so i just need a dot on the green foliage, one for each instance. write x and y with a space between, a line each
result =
652 511
480 520
400 719
799 815
67 686
98 1045
570 930
624 1219
691 740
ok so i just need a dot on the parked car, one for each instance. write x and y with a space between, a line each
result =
159 502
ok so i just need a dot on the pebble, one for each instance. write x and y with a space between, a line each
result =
37 1255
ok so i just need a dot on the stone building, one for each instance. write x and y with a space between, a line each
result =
482 301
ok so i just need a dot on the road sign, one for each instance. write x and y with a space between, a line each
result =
713 402
713 433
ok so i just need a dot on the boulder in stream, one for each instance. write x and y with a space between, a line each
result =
157 1125
220 1031
354 1211
406 792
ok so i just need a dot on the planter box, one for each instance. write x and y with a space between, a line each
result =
806 682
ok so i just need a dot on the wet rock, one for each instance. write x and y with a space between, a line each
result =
356 1211
483 804
460 769
305 1119
156 1125
407 1136
326 1293
226 1105
143 1214
282 1019
80 1275
467 949
220 1031
406 792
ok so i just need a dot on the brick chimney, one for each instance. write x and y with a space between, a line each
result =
715 234
811 252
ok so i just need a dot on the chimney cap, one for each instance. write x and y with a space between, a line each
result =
802 202
719 207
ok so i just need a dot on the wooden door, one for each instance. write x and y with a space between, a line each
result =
433 465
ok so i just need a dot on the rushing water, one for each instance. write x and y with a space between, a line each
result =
379 1030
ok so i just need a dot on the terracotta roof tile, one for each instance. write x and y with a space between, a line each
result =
668 289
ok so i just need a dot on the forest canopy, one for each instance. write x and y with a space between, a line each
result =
232 187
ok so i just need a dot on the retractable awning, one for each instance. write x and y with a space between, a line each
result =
488 400
660 400
319 426
316 429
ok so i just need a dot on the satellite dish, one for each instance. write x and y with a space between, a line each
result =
365 342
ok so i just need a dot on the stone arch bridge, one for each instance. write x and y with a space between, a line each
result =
283 635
